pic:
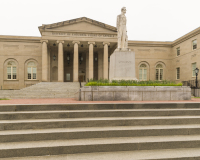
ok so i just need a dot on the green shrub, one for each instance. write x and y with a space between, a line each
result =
106 82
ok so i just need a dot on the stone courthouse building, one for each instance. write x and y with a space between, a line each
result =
80 49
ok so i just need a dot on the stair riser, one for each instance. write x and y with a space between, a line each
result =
97 134
96 123
20 116
96 148
96 106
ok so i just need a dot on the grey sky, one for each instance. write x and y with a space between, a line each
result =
151 20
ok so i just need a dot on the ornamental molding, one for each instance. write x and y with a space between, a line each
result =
186 37
73 21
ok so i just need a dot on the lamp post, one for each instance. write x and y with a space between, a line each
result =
196 71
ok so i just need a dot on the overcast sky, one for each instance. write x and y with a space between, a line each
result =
151 20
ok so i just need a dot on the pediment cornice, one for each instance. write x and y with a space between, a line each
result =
74 21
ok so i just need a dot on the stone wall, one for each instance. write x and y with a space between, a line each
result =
134 93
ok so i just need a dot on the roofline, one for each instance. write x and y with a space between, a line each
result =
186 36
72 21
149 43
31 39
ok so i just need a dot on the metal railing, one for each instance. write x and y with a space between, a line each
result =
191 83
195 91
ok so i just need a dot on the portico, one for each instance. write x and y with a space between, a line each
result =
76 50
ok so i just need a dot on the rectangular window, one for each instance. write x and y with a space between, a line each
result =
161 74
68 76
177 73
29 72
34 72
9 72
194 44
145 74
193 69
178 51
14 73
140 74
157 72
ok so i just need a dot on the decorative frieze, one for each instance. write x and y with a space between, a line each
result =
30 46
84 35
9 46
160 50
144 50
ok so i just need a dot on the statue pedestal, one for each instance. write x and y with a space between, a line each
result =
122 65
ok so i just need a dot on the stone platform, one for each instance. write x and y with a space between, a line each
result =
135 93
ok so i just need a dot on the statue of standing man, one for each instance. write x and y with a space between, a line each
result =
121 29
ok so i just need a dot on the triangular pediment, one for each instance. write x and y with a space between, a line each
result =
79 25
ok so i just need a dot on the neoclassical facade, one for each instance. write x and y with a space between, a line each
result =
79 50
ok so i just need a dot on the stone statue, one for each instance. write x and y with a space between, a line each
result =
121 30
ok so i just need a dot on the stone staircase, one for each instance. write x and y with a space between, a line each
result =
100 131
44 90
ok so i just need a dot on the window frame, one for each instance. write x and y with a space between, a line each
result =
159 72
11 70
194 69
193 44
32 67
143 68
177 73
178 49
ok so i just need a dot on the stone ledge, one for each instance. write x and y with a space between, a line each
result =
134 93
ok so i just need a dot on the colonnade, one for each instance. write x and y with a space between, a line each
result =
75 62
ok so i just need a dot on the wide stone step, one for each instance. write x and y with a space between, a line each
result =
97 132
96 113
96 122
162 154
100 106
56 147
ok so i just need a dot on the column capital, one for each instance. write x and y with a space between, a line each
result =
43 41
60 41
104 43
91 42
78 42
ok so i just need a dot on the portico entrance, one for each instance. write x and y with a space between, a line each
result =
76 50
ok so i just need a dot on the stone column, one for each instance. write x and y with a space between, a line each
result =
105 60
75 63
91 60
44 61
60 62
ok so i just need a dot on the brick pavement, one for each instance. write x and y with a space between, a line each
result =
71 100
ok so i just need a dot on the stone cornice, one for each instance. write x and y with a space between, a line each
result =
20 39
73 21
186 36
150 44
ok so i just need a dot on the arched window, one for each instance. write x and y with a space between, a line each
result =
11 70
159 72
143 72
32 70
